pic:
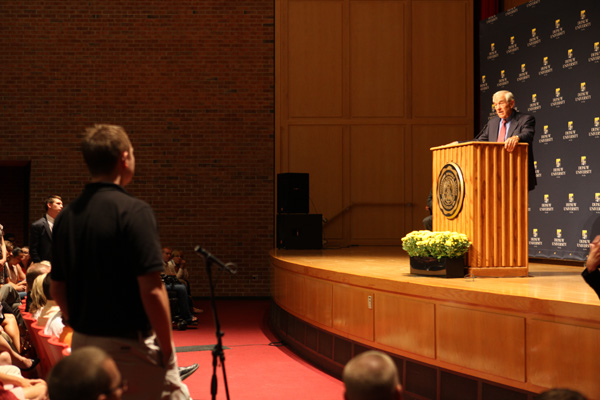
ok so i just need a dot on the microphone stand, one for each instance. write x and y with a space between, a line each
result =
217 352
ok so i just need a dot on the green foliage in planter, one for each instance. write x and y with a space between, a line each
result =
435 244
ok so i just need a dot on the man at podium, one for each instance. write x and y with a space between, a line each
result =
510 127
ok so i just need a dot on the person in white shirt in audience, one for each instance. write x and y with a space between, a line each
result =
51 307
51 317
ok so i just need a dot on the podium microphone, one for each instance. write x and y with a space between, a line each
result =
210 258
481 131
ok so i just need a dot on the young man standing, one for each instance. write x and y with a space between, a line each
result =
106 271
40 235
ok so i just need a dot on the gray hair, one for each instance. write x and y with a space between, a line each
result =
508 96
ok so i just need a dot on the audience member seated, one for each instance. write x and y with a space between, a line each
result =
25 259
176 267
3 252
54 325
8 245
371 375
166 256
9 292
14 275
10 328
38 300
33 272
22 388
89 373
183 304
57 328
174 286
51 307
8 356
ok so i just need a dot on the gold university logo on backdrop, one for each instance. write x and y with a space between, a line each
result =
450 190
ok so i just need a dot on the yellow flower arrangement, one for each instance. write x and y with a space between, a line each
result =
435 244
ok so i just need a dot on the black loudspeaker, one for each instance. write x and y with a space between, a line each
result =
297 231
292 193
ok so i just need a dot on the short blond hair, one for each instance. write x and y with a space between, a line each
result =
38 299
102 146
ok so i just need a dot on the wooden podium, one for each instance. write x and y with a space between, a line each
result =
493 213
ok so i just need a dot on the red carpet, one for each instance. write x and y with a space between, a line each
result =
255 369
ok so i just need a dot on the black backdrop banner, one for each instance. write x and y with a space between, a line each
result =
547 53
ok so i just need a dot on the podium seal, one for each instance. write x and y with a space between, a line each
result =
450 190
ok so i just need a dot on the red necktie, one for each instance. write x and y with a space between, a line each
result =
502 132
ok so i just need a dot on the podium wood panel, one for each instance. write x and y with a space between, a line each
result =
494 212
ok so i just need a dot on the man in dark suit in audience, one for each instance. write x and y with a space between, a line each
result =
40 235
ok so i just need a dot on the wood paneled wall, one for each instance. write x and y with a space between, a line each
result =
363 89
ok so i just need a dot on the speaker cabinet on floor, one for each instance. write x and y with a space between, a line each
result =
300 231
292 193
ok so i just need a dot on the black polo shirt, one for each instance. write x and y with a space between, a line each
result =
102 242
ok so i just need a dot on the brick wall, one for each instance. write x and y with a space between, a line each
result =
191 82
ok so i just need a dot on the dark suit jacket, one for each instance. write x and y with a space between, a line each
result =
523 126
40 241
592 279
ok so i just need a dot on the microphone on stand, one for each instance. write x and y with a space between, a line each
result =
210 258
481 131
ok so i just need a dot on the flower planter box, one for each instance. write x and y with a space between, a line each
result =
445 267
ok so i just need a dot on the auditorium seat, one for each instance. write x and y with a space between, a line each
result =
56 350
36 333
